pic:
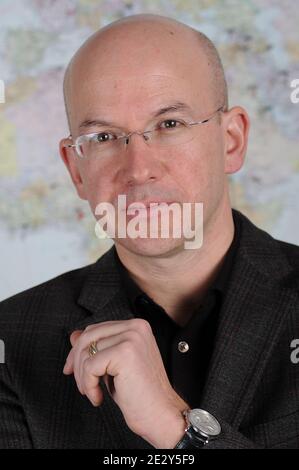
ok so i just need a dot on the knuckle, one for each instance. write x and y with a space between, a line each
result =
141 325
133 336
82 340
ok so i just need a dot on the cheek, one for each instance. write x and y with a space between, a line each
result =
200 170
97 185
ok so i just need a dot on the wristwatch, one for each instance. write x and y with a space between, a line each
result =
201 428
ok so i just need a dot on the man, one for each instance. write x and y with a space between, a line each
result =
163 338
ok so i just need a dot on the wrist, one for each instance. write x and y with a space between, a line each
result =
169 429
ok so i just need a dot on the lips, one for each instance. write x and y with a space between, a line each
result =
146 204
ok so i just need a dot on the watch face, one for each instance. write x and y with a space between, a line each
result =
204 422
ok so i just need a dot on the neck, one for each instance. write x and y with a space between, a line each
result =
189 273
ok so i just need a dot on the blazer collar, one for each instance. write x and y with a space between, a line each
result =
254 309
256 305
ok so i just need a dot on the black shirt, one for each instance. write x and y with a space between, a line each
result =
186 364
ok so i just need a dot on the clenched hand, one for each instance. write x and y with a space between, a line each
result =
129 360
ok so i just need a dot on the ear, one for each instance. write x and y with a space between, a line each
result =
236 125
70 159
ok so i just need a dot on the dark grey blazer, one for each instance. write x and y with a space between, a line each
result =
252 385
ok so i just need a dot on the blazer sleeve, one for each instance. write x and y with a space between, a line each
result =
14 431
230 438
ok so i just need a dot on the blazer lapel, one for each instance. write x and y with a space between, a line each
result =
104 299
253 313
102 295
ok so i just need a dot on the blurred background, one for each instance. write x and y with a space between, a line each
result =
45 229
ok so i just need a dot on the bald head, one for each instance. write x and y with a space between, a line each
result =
140 41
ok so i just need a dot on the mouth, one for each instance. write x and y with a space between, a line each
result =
142 205
146 209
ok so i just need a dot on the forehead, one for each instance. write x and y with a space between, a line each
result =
135 96
113 90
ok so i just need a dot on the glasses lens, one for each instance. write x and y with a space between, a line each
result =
175 133
98 145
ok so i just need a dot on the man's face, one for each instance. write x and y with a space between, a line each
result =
128 93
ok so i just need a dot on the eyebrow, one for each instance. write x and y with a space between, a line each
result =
175 107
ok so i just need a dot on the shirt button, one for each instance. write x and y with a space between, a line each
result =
183 346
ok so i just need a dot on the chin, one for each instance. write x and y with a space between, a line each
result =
159 247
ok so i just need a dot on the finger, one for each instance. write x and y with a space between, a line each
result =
94 392
104 362
95 325
68 366
93 333
103 330
67 369
74 336
102 344
69 363
109 382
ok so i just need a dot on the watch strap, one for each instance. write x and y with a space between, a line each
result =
189 441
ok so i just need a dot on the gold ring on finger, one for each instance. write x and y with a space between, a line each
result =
92 350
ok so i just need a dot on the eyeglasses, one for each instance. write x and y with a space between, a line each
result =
107 143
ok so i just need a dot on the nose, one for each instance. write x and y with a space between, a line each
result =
144 135
140 162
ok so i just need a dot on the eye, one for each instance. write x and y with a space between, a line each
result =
171 124
103 137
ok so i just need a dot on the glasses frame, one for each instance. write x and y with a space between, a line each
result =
126 137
